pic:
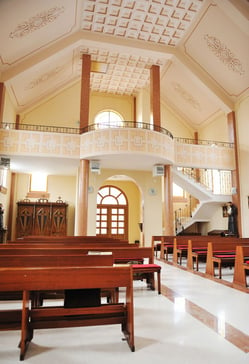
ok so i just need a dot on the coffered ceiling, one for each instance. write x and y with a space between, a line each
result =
201 47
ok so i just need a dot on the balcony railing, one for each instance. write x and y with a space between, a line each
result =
124 124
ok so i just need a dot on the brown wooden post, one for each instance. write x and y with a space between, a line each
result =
232 132
82 202
2 99
155 96
17 121
85 91
168 201
197 169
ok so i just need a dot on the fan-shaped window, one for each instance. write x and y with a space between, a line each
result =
108 119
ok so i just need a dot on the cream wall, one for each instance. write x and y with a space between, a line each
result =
63 186
9 113
216 130
143 106
124 105
242 122
174 124
63 109
152 211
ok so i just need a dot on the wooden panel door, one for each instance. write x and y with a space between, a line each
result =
25 214
112 221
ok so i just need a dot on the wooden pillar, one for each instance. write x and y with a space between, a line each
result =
85 91
82 198
168 201
17 121
155 111
12 203
197 169
2 98
232 133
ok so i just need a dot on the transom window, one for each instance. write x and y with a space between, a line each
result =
108 119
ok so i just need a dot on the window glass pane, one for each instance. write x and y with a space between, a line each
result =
114 191
121 211
3 177
97 231
105 191
103 231
104 211
107 119
104 217
38 182
97 224
114 224
121 217
121 231
114 231
121 224
122 200
114 211
109 200
104 224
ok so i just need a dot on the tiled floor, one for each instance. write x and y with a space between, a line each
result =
194 321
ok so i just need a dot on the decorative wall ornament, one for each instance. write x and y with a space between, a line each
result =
43 78
224 54
186 96
36 22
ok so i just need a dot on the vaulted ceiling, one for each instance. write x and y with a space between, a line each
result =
201 46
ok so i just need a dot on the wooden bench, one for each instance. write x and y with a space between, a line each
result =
121 255
163 245
221 253
67 278
31 261
241 266
71 239
196 250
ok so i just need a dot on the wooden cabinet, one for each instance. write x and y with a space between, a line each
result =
41 218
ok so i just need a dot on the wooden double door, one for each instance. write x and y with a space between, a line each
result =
112 221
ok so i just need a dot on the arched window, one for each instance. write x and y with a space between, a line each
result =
112 213
108 119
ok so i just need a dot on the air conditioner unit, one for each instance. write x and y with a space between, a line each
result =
95 166
158 170
5 162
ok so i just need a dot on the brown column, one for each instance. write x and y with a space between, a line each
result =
232 133
85 91
155 111
197 169
2 98
82 201
17 121
168 201
11 226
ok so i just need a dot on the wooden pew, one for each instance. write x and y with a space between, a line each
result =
60 239
220 253
121 255
196 250
241 266
40 261
39 279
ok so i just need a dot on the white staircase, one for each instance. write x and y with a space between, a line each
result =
208 201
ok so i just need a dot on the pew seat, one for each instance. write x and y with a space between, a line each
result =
29 318
147 270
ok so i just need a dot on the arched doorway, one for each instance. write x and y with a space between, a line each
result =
112 213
